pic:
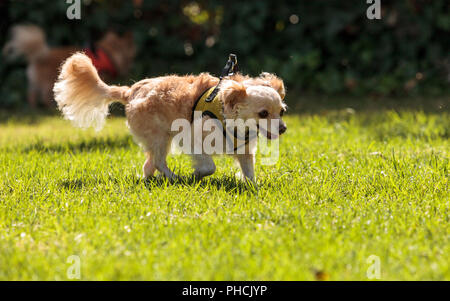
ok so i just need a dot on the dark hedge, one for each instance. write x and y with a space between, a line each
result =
320 46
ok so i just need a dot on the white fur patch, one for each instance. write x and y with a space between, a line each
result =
83 109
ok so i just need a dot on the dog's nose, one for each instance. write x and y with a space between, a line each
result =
283 128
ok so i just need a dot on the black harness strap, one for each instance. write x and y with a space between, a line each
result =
230 68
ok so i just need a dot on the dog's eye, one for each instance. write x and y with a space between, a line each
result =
263 114
282 112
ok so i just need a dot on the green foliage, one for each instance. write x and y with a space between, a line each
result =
324 47
349 184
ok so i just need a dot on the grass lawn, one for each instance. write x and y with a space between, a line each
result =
350 183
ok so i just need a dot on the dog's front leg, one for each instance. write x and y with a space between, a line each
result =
203 165
247 163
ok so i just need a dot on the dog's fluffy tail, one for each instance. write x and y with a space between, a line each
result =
82 96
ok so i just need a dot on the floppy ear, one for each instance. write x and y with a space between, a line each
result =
274 82
233 95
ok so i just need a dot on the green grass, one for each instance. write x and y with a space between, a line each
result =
349 184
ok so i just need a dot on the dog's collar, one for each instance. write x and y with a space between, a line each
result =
101 61
210 104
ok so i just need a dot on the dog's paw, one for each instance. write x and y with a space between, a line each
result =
250 183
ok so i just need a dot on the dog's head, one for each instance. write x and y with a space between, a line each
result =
259 99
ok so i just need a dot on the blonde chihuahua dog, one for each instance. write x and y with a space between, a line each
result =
152 105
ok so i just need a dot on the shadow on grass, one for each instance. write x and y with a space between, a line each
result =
319 104
76 184
91 145
227 183
26 115
30 116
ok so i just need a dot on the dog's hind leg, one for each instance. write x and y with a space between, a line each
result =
149 167
158 154
203 165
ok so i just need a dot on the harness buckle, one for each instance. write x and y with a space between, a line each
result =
230 68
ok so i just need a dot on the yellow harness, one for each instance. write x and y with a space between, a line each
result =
210 105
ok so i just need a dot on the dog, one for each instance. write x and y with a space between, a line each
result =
153 104
112 55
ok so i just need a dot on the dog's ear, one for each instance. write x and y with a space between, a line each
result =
275 82
233 95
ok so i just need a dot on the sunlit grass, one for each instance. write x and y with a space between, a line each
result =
349 184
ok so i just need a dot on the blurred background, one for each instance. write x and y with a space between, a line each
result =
321 47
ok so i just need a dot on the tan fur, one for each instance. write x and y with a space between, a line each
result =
82 96
266 79
153 104
232 95
44 62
